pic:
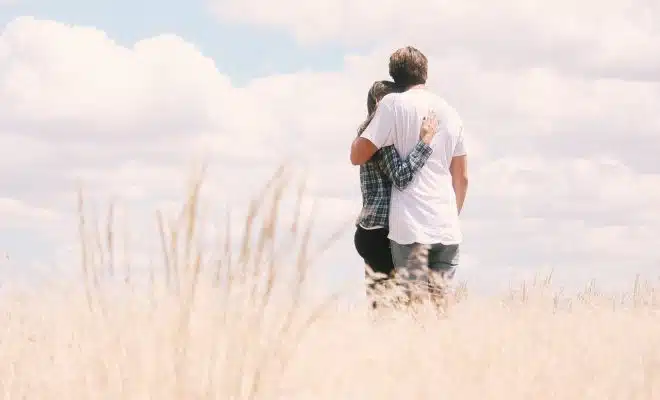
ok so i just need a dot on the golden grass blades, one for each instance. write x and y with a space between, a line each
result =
232 319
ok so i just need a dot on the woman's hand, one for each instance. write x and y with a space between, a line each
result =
429 128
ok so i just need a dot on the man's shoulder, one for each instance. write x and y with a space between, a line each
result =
440 102
390 99
414 100
442 106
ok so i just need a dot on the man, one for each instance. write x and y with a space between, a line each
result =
426 213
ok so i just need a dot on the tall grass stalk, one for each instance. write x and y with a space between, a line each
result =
209 323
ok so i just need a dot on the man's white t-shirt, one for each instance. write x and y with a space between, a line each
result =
425 212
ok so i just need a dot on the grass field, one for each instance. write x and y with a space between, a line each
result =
226 330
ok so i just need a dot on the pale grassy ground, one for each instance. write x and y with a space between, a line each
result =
228 333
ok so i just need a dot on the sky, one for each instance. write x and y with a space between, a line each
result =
559 101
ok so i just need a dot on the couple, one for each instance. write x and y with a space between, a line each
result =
413 177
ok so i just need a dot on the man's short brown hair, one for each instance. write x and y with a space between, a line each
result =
408 67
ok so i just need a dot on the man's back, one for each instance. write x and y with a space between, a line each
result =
425 212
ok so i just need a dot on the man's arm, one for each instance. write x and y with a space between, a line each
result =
401 172
362 150
458 171
377 134
459 179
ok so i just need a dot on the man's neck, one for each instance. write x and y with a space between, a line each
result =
420 86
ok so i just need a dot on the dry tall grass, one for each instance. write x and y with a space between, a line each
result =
215 325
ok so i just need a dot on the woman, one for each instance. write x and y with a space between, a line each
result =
377 176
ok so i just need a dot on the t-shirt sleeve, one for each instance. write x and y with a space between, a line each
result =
460 148
380 129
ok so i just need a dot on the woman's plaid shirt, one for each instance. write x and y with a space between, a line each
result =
377 176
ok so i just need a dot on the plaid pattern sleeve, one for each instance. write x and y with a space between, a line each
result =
401 172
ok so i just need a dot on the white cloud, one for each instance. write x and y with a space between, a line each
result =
563 136
16 214
610 37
